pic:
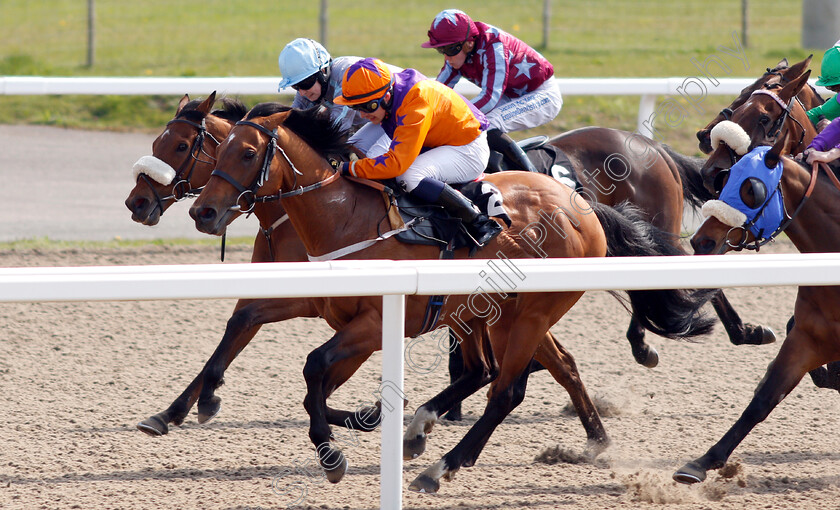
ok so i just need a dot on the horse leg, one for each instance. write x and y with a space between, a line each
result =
246 320
515 338
479 367
643 353
797 356
456 369
740 333
356 340
562 367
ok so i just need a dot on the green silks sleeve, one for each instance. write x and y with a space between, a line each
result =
830 110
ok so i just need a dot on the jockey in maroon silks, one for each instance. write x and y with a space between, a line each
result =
517 86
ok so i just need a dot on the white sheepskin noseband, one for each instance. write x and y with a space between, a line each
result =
724 212
154 168
732 135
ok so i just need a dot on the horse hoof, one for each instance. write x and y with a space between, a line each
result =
768 336
690 473
652 358
425 484
413 448
595 447
336 474
208 410
153 426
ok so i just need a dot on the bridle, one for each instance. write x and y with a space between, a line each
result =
249 194
182 187
772 133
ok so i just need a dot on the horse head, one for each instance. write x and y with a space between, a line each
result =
274 152
765 117
183 156
775 77
733 221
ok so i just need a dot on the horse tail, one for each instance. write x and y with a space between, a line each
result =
694 192
672 313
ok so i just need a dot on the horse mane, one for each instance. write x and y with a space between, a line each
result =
313 125
232 110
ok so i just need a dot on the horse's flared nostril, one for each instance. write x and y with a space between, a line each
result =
703 246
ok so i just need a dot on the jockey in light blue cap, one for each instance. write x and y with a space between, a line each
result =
308 68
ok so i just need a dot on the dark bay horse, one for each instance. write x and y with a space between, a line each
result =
331 213
614 166
779 75
813 207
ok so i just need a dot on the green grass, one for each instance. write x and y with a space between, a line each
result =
599 38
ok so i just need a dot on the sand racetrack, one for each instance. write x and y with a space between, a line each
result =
77 377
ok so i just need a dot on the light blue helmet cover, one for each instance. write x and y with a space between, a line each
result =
301 59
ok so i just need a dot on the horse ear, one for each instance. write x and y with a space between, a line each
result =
799 67
771 159
207 104
182 103
782 64
793 88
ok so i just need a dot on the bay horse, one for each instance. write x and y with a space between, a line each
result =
766 115
615 166
182 157
811 210
182 145
779 75
332 213
777 113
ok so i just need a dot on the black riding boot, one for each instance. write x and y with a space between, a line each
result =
480 227
501 142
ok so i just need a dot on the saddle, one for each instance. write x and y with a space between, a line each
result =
547 159
429 224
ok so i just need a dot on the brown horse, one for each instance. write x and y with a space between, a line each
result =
615 166
812 211
766 115
772 78
182 157
182 145
775 113
331 213
189 143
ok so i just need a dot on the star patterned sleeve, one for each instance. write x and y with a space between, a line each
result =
413 120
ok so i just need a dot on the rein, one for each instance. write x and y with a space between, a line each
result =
758 243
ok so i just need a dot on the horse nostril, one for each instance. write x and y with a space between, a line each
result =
203 213
704 246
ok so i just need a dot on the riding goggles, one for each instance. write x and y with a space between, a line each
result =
307 83
451 50
368 106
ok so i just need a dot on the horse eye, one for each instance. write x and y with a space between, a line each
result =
249 154
182 147
753 192
764 120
